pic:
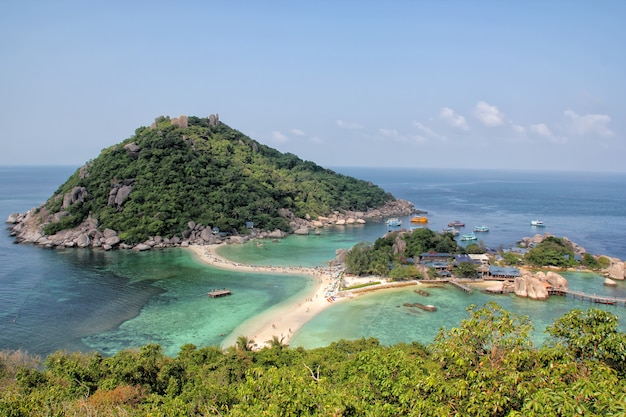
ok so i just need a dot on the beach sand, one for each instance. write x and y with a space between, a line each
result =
287 318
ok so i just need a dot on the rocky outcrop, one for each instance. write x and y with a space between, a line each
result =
529 242
616 269
119 193
77 195
28 227
536 285
133 150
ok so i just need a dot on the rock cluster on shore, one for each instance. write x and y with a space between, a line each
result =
615 271
28 228
535 285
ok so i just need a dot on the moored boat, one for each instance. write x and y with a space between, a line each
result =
481 228
449 229
419 219
394 222
537 223
456 223
469 236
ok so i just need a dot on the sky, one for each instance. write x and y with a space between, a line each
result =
431 84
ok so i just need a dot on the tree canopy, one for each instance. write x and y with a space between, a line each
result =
486 366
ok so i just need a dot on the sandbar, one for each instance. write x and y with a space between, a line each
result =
287 318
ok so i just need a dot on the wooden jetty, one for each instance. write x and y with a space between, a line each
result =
460 286
219 293
592 298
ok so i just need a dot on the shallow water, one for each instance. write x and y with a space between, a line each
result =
107 301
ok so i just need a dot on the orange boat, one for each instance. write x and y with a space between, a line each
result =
419 219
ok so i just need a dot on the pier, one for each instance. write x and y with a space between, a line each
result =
460 286
219 293
592 298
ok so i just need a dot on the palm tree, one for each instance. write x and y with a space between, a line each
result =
276 342
244 343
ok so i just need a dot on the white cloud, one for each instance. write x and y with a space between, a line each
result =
428 131
390 133
279 137
588 124
543 130
346 125
518 129
488 115
453 119
297 132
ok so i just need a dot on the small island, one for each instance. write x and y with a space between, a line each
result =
191 180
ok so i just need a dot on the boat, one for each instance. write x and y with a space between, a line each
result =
482 228
469 236
394 222
419 219
450 230
537 223
456 223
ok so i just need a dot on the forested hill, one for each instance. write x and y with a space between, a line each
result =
201 170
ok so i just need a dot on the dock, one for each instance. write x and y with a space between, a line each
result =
592 298
460 286
219 293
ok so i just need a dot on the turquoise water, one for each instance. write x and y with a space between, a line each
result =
85 300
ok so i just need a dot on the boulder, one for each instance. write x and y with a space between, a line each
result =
276 234
615 270
302 231
610 283
75 196
206 235
142 247
13 218
556 280
83 241
236 239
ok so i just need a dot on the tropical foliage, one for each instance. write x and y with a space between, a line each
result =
487 366
389 255
552 251
212 175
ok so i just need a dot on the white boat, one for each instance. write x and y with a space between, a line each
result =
450 230
469 236
482 228
394 222
537 223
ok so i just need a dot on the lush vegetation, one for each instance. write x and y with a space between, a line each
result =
389 255
553 251
212 175
485 367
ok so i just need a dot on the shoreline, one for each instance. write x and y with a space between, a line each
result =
285 319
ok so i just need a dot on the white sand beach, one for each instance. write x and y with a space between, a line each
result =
284 320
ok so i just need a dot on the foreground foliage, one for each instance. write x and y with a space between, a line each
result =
485 367
213 175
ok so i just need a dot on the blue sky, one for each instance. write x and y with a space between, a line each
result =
468 84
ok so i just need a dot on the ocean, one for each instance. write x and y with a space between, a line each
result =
84 300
